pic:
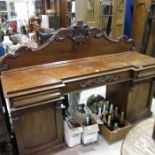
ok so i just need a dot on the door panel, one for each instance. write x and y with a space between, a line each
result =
38 129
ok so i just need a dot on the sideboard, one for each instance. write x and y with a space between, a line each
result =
35 82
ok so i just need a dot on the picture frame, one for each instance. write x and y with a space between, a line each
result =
3 6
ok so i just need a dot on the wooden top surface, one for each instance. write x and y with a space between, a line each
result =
56 73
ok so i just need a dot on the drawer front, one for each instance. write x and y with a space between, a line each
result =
36 98
146 73
96 81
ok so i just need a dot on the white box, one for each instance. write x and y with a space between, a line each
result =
72 135
90 134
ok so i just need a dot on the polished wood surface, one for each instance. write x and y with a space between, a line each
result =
19 80
35 82
139 140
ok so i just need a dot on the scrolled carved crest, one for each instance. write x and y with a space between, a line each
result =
79 33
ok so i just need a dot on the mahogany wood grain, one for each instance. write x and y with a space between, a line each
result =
134 98
63 46
20 80
41 129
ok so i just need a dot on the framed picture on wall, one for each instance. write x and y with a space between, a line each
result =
4 14
3 6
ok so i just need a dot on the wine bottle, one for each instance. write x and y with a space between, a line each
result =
104 110
116 118
99 111
109 124
87 121
107 106
111 109
121 122
104 113
115 125
153 134
103 118
111 112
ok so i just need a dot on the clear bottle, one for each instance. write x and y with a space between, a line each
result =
111 112
104 113
87 121
107 106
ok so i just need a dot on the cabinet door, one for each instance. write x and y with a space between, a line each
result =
134 98
139 100
39 129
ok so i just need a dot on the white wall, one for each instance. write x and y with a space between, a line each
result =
24 9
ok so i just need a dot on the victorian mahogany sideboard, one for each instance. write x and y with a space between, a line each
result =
35 82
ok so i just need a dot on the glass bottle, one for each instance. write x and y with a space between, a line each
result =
87 121
121 122
109 124
116 118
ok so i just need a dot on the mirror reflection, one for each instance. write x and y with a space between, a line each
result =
32 22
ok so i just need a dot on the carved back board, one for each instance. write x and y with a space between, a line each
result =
75 42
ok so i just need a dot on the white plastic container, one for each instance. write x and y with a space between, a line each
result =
72 135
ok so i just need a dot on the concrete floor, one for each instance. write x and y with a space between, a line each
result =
101 147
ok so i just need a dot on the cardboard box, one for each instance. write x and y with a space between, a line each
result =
90 133
112 136
72 135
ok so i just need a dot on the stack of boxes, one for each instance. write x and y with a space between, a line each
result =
83 125
85 133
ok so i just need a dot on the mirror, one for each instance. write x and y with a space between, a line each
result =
90 10
44 17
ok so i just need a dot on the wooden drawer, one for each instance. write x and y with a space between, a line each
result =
36 98
95 81
112 136
146 73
